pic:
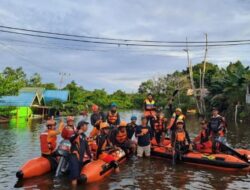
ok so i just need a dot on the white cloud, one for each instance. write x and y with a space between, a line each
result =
120 67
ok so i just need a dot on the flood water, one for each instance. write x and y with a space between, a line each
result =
19 142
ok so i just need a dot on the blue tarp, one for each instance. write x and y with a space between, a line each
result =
50 95
23 99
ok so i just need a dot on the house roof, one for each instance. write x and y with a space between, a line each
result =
38 90
50 95
25 99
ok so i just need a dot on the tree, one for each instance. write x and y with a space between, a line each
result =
12 80
35 80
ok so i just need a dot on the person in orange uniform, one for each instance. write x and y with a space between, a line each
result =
202 141
113 117
149 109
160 124
177 115
48 142
79 147
69 129
96 118
119 138
104 145
182 141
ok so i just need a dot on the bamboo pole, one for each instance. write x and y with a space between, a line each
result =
191 77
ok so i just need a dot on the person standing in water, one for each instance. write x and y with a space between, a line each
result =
144 136
79 147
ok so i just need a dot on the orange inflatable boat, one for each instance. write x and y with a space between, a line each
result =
98 169
218 161
35 167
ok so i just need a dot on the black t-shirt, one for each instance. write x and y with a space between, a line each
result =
131 130
95 117
145 139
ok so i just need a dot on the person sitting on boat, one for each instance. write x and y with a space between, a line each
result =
119 138
202 141
79 147
217 128
48 142
182 141
177 115
69 129
131 127
144 136
104 146
96 118
149 108
113 117
160 123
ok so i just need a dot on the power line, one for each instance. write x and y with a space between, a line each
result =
118 43
119 39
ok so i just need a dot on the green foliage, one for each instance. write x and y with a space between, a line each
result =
12 80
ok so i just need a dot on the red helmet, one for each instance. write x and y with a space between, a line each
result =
95 107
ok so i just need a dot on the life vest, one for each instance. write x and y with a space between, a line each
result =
159 124
215 123
204 136
180 136
121 137
67 132
173 120
47 143
112 118
149 105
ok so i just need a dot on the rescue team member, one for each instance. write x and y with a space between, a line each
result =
48 142
202 141
119 138
149 109
160 124
96 118
182 141
79 147
104 145
217 128
177 115
113 117
131 127
69 129
144 136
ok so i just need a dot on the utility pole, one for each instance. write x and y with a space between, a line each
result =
202 88
62 78
191 77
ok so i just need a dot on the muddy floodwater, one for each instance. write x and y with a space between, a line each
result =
19 142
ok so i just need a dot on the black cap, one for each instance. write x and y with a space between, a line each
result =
81 123
215 108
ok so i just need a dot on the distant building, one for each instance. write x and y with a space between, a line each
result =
32 102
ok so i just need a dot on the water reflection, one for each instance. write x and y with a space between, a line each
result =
19 142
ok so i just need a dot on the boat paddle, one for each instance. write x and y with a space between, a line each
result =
232 151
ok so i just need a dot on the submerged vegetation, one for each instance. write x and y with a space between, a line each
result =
226 88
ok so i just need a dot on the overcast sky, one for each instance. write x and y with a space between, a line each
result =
113 67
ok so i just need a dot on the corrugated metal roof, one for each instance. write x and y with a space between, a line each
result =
38 90
23 99
62 95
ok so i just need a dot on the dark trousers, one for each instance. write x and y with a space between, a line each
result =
75 167
214 137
